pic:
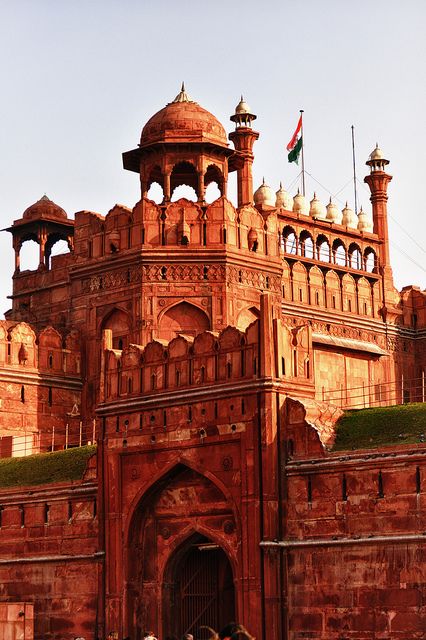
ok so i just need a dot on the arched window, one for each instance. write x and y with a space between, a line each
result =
355 260
155 193
306 245
55 246
323 249
155 185
213 182
29 255
184 182
289 240
212 192
339 253
370 260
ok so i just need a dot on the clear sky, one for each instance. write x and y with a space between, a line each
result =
79 79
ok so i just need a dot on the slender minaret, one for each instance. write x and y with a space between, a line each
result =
244 138
378 181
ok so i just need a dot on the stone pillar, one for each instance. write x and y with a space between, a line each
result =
42 238
201 187
17 248
166 189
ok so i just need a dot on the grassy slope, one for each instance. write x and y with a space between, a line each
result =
381 426
43 468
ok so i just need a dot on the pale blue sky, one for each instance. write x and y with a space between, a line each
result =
79 80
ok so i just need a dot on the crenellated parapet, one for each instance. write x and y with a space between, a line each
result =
184 362
267 348
22 346
40 389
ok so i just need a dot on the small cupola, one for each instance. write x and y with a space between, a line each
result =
243 116
317 209
349 219
333 213
264 195
300 204
283 199
376 160
365 223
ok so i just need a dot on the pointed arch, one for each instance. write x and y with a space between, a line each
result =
246 317
300 283
182 318
145 493
118 321
316 284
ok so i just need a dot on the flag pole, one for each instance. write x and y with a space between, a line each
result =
303 154
354 170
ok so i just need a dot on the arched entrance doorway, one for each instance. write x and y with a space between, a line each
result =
183 541
201 590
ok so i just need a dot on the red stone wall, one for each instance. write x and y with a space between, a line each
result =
355 523
50 557
363 592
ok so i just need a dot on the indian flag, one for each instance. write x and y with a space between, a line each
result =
295 145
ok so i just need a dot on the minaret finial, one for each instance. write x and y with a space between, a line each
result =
183 86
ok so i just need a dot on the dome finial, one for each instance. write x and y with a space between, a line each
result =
182 96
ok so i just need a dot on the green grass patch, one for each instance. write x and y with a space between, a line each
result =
44 468
381 426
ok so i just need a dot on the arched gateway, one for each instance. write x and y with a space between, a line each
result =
180 557
198 589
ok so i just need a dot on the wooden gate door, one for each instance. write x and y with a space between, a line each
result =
205 590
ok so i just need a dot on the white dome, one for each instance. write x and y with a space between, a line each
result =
264 195
317 209
376 154
365 223
300 204
349 219
333 213
283 199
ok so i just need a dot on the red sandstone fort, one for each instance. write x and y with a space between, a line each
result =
209 352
